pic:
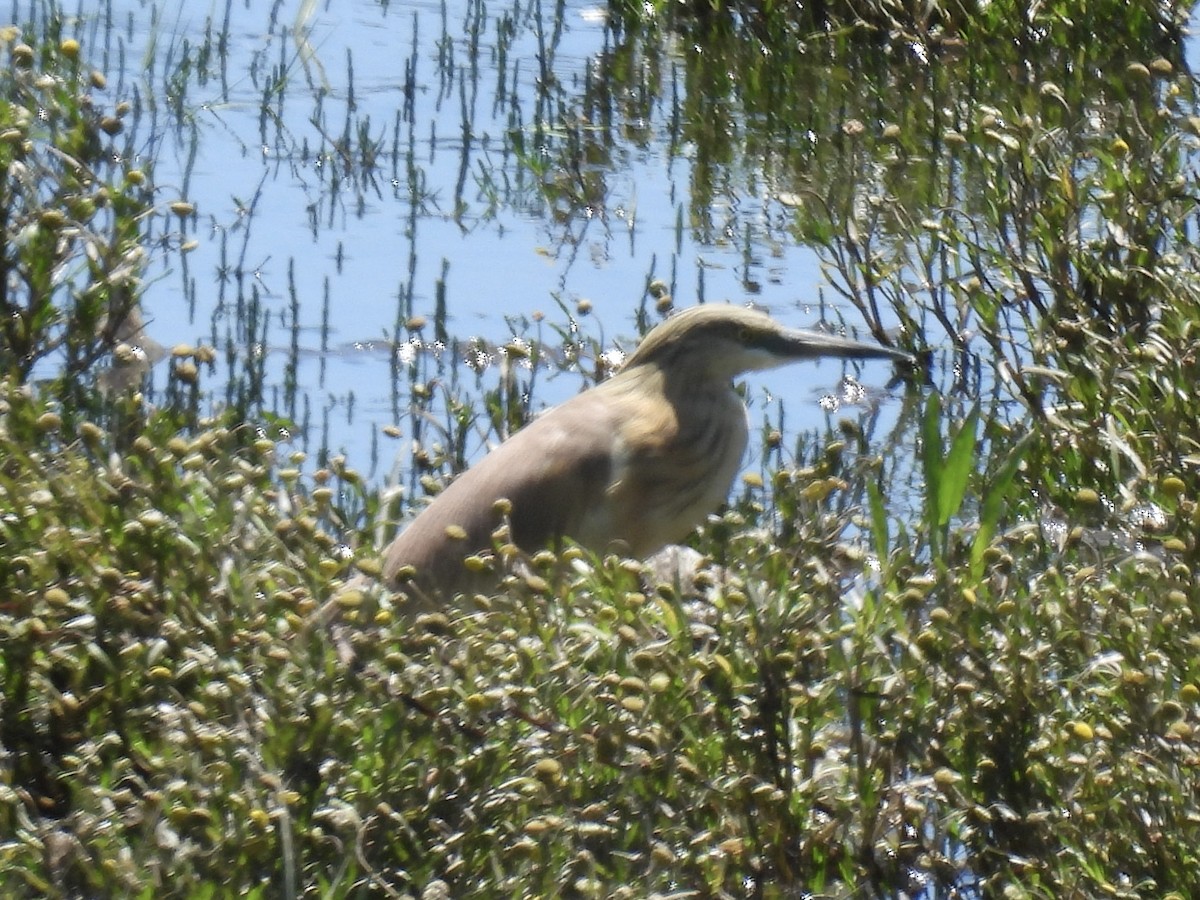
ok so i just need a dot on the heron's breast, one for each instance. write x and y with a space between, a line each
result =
674 467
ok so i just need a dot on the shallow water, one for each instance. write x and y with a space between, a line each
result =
349 167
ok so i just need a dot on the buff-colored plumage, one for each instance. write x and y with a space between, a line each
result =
631 465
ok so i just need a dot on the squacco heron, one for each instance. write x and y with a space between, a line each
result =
631 465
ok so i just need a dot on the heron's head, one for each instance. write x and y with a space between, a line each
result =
722 341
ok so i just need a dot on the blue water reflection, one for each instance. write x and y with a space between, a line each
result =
348 162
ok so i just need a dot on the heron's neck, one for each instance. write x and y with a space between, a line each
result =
676 383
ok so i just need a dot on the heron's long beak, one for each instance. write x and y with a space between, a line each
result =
795 343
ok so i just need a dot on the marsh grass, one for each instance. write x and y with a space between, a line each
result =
994 693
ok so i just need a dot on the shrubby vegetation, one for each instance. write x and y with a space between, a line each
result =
1006 704
73 216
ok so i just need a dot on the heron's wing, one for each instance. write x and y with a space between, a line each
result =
553 472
